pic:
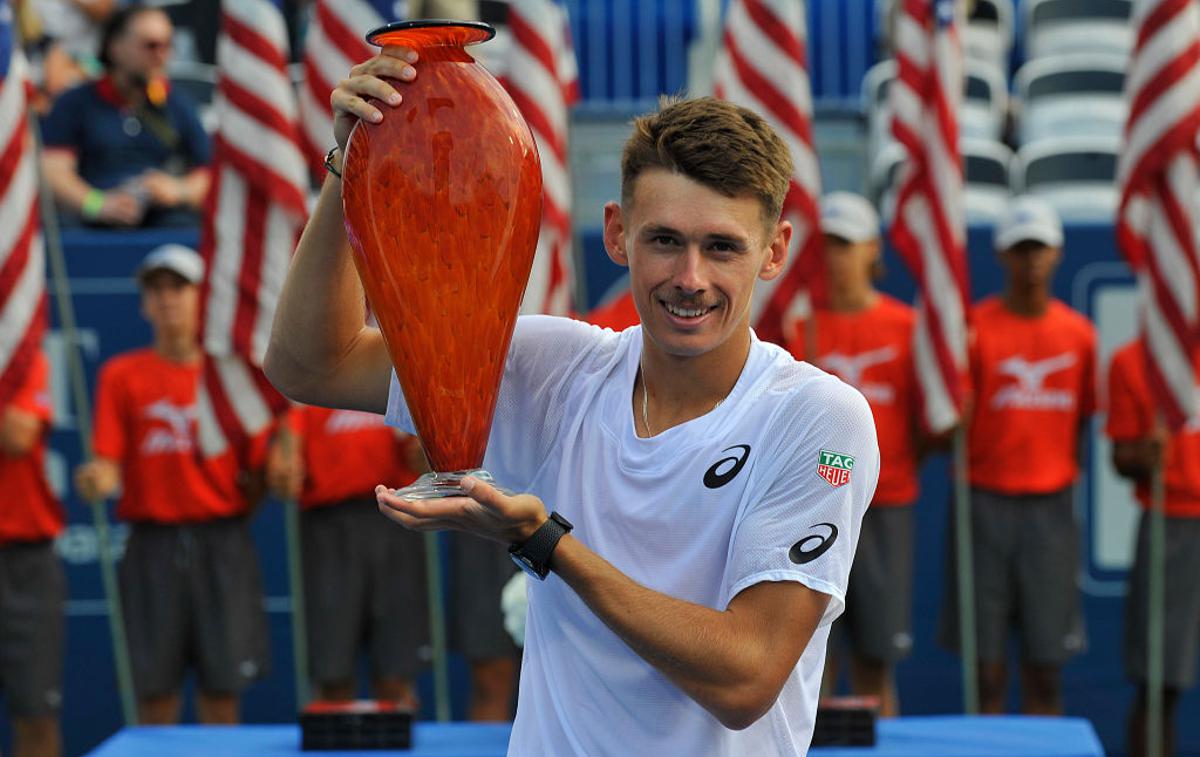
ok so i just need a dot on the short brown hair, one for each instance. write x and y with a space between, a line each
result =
723 146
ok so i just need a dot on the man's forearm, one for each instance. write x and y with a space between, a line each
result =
319 320
717 658
195 187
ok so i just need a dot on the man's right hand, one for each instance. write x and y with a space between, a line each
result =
97 480
367 80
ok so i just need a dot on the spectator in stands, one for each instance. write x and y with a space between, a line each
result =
364 585
1142 445
865 338
32 585
190 578
1032 361
127 150
71 41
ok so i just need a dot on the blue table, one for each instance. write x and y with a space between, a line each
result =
949 736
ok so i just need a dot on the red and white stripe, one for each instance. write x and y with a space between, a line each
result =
333 44
541 75
22 259
1158 219
929 229
254 215
762 65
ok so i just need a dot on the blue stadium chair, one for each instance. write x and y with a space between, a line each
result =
984 106
988 36
1079 94
1053 27
1074 174
986 165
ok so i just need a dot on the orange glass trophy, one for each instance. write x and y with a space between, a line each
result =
442 201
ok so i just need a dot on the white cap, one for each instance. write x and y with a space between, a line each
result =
1028 219
849 216
175 258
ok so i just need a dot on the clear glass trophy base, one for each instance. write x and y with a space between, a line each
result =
440 485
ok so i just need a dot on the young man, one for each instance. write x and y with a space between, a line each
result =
1033 363
32 585
865 338
190 579
1141 445
364 586
715 485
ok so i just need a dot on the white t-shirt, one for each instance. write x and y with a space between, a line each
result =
771 485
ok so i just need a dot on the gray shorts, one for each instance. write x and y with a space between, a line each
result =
478 571
193 598
1181 618
1026 557
32 591
364 590
877 623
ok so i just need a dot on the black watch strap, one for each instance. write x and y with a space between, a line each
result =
534 554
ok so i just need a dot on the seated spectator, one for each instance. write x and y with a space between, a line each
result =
71 36
126 150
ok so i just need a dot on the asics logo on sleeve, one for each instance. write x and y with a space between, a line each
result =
814 545
715 477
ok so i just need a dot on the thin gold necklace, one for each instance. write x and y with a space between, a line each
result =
646 402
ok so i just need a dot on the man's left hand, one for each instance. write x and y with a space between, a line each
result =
485 511
163 189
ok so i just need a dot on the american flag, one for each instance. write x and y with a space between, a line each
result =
333 44
929 228
254 214
539 71
762 65
22 260
1158 218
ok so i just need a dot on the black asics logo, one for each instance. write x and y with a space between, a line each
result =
715 478
813 546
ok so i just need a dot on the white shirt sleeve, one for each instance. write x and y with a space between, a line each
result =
544 354
806 524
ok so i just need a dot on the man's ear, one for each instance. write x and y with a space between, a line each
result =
614 234
778 253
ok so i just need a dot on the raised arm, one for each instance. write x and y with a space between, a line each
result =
320 352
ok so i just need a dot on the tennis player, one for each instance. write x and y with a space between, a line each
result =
693 495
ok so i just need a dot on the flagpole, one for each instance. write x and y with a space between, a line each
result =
965 567
437 626
291 529
1156 596
79 392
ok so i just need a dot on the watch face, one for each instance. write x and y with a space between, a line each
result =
526 565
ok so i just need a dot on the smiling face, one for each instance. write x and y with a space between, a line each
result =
694 256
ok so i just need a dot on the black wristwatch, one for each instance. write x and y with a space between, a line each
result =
533 556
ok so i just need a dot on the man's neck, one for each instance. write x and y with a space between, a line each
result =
852 300
678 389
177 349
1027 301
128 87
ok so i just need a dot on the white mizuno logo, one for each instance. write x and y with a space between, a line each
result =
850 368
345 421
177 436
1028 392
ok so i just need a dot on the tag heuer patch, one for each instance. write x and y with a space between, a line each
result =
834 467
